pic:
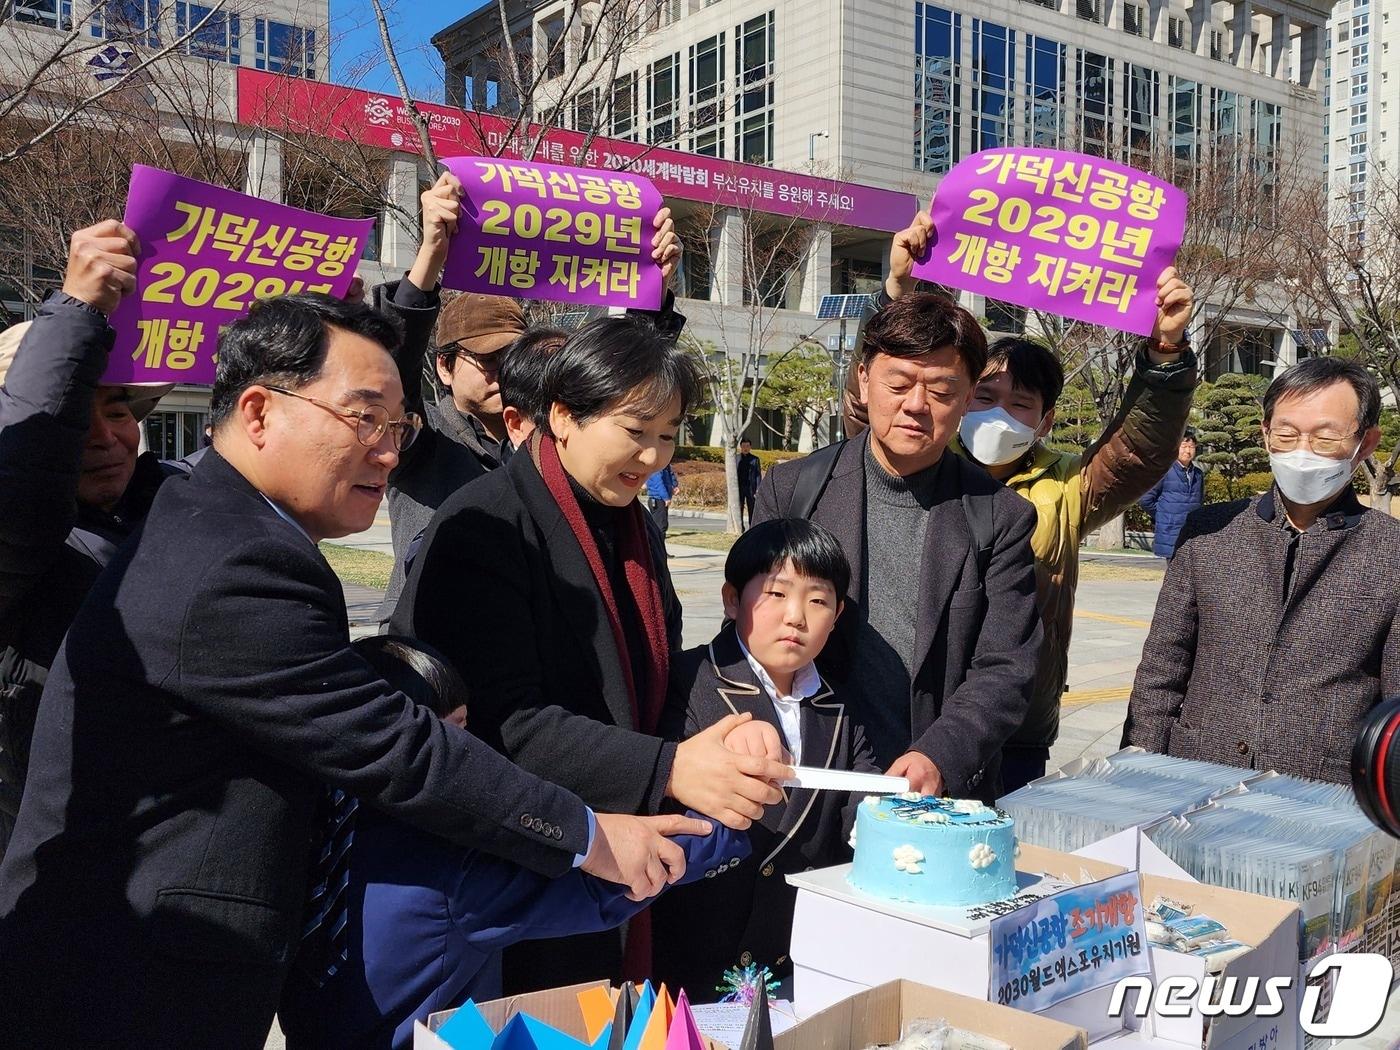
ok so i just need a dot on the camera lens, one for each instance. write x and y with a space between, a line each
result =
1375 766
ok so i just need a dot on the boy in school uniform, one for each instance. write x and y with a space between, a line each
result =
423 920
784 581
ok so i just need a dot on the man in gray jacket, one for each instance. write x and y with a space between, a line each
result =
1278 625
936 653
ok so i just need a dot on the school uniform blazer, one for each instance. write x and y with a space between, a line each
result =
502 589
152 893
746 916
425 917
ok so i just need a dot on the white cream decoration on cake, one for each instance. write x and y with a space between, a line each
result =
910 796
981 856
873 800
969 806
906 859
933 818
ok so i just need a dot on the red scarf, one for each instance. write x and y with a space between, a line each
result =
640 573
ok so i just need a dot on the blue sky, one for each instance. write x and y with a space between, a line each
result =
356 55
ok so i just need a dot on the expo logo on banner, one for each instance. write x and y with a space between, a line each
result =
1067 233
207 254
544 231
1362 989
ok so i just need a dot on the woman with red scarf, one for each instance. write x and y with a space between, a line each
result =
546 585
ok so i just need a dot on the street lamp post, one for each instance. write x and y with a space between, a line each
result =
812 144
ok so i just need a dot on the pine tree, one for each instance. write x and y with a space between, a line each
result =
1229 413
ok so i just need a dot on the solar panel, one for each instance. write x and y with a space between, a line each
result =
572 320
833 307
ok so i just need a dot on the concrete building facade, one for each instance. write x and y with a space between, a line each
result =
891 93
1361 131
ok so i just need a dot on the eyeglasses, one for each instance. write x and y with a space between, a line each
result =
487 364
1288 440
371 422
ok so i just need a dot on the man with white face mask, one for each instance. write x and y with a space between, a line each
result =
1012 411
1276 629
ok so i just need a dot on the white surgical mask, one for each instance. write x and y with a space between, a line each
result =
1307 478
995 437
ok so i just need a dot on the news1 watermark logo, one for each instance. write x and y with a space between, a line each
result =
1361 988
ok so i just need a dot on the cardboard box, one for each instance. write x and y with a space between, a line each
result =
1269 926
878 1015
844 943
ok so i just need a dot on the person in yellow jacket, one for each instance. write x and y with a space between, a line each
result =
1012 411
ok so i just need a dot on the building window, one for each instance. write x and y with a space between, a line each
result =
1176 32
1140 90
585 111
623 108
1134 21
550 34
216 38
56 14
1360 84
707 97
1045 90
1360 54
663 95
283 48
1095 83
663 13
175 435
1089 10
753 90
1217 44
993 58
135 20
1268 130
937 93
1185 120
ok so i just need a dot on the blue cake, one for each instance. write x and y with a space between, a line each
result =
933 850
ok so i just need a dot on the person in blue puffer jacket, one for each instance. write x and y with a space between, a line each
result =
1180 491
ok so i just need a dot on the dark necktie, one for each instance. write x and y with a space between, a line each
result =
323 937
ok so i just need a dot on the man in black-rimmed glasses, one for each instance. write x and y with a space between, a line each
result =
205 695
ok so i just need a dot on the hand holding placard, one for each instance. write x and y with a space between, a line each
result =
101 265
1062 232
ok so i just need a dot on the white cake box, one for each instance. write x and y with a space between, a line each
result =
844 942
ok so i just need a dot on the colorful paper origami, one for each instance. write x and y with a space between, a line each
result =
684 1033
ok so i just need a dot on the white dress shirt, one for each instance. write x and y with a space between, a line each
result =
806 682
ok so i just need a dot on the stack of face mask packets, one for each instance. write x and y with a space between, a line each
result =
1293 840
1110 795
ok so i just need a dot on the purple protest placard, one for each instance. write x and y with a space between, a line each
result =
207 254
544 231
1066 233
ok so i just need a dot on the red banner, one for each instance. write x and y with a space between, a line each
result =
310 107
